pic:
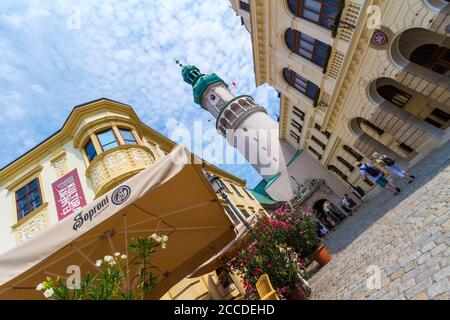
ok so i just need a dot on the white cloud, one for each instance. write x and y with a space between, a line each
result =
38 89
123 55
14 20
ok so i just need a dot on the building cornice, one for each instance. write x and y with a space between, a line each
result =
34 172
284 113
354 58
69 130
260 40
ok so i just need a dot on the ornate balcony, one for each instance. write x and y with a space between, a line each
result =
116 165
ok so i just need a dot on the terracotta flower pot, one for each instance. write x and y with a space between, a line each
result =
322 256
298 293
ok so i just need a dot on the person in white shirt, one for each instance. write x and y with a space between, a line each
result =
375 175
347 206
384 161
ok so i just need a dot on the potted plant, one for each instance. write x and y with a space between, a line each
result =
268 254
302 237
108 283
321 255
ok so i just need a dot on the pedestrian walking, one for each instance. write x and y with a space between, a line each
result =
346 204
322 231
375 175
384 161
331 211
325 220
350 200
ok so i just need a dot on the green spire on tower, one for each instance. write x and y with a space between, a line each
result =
199 81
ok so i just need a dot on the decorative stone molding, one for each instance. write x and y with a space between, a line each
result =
335 65
306 188
18 182
117 164
260 37
59 163
355 61
350 15
284 114
36 222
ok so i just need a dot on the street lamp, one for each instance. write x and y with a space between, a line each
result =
216 184
219 189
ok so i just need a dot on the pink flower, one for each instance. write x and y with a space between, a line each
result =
257 271
248 287
307 213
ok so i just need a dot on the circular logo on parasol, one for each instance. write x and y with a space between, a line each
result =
120 195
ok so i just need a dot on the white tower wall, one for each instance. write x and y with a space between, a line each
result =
249 129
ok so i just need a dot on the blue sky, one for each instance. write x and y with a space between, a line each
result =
60 53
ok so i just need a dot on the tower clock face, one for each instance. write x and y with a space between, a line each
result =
212 97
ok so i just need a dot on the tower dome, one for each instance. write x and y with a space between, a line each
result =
199 81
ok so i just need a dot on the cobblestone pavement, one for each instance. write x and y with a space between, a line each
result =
407 237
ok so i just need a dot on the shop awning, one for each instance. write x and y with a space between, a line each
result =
172 197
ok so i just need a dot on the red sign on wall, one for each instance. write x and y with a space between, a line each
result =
69 196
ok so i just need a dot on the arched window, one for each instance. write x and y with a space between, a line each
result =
437 5
317 154
299 113
394 95
322 12
349 166
377 129
433 57
297 125
301 84
355 154
308 47
107 139
295 136
338 172
359 190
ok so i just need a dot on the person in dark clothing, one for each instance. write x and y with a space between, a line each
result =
375 175
384 161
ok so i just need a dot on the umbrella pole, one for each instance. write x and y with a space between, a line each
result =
125 228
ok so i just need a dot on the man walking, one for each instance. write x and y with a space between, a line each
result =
384 161
373 174
346 204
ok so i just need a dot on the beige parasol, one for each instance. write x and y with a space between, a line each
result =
173 197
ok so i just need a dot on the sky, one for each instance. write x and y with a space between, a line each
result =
61 53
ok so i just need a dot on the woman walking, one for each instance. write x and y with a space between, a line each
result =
384 161
373 174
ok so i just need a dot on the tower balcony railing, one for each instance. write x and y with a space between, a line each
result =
236 111
114 166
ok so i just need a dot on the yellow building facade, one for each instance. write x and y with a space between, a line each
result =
355 77
101 144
